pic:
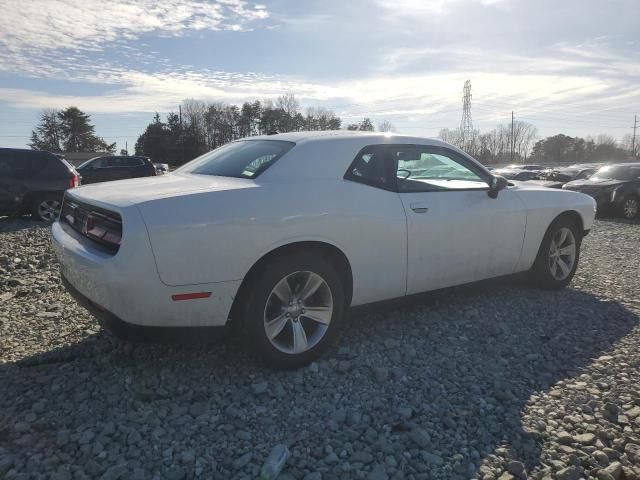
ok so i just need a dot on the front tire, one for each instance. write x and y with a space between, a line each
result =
294 309
629 207
558 255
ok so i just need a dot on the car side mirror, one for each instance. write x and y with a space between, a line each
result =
497 183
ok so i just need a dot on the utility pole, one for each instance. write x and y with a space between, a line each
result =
126 147
513 137
181 137
466 125
633 139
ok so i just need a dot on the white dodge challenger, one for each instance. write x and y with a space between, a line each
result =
281 233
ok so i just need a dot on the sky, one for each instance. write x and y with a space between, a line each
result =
566 66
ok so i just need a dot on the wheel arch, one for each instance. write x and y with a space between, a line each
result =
573 215
327 250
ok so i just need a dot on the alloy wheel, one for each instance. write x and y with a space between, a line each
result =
49 209
630 208
298 312
562 253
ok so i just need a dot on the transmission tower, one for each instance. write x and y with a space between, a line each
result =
466 125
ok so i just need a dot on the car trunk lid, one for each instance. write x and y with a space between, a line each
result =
123 193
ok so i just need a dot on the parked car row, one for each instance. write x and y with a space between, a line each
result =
615 187
33 181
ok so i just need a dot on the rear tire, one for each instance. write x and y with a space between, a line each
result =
558 255
629 207
294 309
46 207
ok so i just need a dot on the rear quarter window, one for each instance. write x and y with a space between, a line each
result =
240 159
133 162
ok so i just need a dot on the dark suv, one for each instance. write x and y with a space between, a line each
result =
34 181
105 169
614 187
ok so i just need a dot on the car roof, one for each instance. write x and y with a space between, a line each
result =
336 150
24 150
330 135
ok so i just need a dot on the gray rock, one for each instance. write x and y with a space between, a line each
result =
378 473
115 472
564 438
260 388
420 437
614 470
381 374
198 408
585 438
361 457
569 473
86 437
62 438
242 461
515 468
632 451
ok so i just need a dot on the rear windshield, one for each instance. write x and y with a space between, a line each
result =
242 159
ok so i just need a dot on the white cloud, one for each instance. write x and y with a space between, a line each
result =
90 24
413 7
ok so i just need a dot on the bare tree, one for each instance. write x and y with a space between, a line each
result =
605 139
385 126
288 103
454 137
628 144
524 135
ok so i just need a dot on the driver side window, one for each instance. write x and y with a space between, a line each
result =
433 169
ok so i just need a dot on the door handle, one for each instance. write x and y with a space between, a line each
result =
419 207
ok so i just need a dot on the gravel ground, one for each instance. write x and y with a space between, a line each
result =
495 380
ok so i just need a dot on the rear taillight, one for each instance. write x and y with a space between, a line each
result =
74 180
101 226
104 229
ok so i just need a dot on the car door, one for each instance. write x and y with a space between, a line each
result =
456 233
118 169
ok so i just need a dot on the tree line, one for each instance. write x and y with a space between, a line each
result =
199 127
519 143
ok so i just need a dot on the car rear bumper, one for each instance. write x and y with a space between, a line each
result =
127 287
129 331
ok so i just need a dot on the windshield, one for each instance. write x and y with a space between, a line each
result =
84 164
627 172
243 159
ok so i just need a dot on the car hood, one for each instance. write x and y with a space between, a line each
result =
123 193
593 183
